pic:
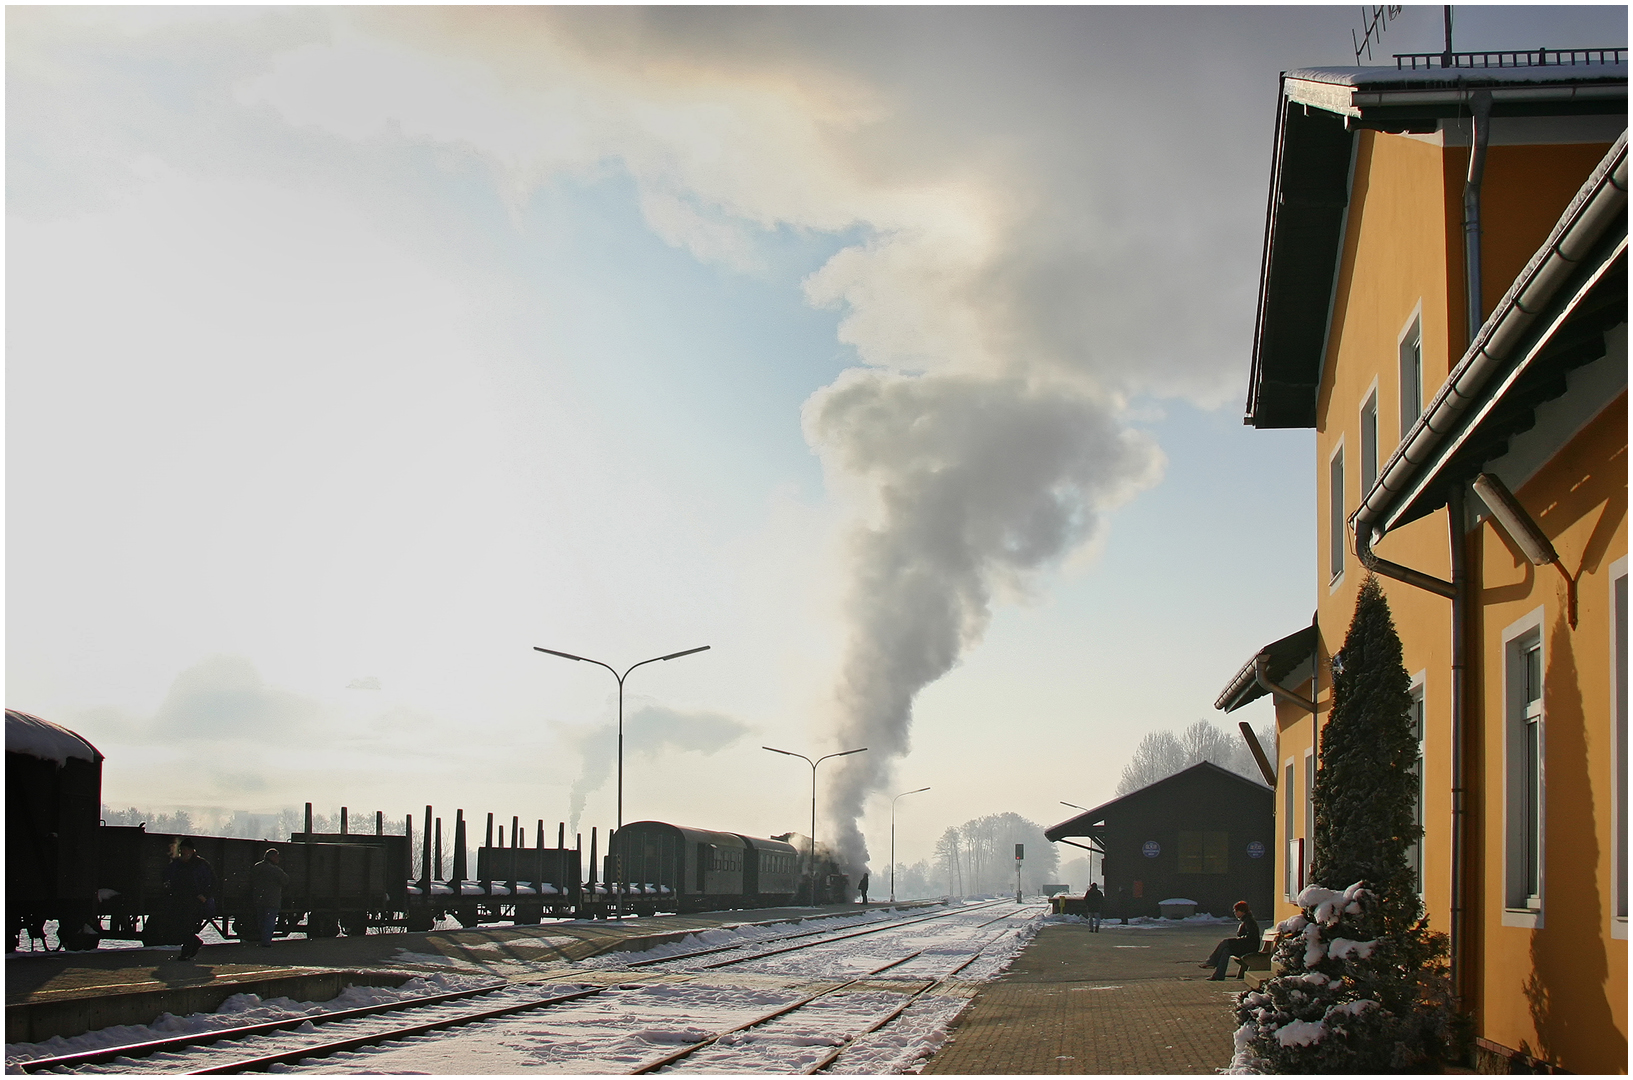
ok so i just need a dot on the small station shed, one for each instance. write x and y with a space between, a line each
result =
1204 834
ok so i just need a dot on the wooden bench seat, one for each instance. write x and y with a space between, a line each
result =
1257 968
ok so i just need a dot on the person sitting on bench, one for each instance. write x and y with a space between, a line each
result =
1246 941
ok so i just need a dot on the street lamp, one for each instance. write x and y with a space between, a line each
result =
620 678
893 839
810 858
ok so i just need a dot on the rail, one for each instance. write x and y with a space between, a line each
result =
1510 58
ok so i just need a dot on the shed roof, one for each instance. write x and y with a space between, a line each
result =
1084 823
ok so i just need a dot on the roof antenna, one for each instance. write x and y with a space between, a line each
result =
1375 19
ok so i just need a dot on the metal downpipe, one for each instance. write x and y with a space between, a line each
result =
1480 108
1459 921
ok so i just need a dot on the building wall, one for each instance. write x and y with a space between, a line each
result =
1560 990
1556 990
1396 270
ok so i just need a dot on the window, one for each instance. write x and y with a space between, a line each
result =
1618 647
1369 443
1290 872
1414 854
1411 350
1204 852
1309 812
1526 749
1335 500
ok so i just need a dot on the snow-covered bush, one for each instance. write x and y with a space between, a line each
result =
1347 999
1361 982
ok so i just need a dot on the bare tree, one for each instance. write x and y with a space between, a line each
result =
1162 754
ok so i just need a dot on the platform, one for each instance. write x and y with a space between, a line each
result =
68 993
1125 1000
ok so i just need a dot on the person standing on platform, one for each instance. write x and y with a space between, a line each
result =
1093 901
188 880
862 887
268 881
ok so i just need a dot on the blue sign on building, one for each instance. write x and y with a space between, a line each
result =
1151 849
1255 850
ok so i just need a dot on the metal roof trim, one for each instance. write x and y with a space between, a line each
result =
1430 443
1244 687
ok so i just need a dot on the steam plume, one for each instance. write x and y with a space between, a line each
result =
978 484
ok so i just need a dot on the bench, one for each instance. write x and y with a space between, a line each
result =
1256 968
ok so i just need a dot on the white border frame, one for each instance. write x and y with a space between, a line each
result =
1336 581
1618 923
1527 624
1378 459
1290 778
1414 320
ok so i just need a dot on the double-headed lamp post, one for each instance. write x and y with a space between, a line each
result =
893 802
810 858
620 678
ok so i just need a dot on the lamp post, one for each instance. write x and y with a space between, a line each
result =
620 678
893 838
810 858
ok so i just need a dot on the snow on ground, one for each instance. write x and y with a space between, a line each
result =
629 1024
240 1010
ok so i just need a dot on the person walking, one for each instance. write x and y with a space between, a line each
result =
863 887
268 881
1246 941
1093 901
189 880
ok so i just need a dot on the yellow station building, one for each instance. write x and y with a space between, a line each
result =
1444 300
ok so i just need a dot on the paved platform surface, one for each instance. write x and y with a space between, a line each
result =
1125 1000
59 975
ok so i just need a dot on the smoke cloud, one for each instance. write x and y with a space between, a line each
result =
976 485
649 732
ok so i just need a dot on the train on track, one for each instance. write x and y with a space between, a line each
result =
96 880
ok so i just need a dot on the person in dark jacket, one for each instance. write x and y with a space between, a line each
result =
189 880
863 888
267 883
1093 901
1246 941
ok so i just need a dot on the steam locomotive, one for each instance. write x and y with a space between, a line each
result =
99 880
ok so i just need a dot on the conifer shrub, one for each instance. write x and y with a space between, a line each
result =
1361 982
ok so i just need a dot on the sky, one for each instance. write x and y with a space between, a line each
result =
895 354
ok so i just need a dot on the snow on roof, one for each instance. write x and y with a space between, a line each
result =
1386 78
42 739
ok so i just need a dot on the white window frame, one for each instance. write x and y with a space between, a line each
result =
1309 813
1369 454
1337 548
1618 744
1292 853
1409 348
1420 701
1519 908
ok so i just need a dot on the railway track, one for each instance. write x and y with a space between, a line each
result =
442 1012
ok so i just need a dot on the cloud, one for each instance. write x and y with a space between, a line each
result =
224 698
368 682
651 731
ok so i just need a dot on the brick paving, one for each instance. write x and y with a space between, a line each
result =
1126 1000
